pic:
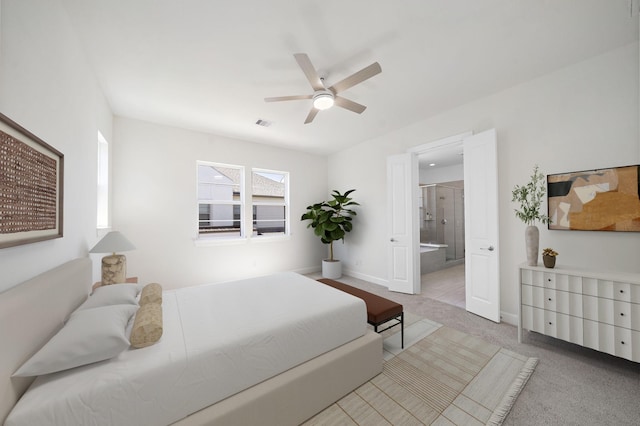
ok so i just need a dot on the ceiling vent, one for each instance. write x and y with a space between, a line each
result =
263 123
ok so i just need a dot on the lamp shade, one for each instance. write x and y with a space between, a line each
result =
113 242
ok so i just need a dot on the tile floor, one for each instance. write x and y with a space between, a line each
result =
445 285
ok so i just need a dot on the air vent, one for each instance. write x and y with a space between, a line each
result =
263 123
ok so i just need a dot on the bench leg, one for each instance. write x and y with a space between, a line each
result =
402 330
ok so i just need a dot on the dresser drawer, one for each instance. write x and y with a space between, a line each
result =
598 309
563 302
533 296
554 324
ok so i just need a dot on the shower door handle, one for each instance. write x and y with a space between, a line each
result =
490 248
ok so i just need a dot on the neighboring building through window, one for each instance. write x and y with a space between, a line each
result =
103 183
270 202
220 200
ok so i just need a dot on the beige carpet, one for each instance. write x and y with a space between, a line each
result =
446 378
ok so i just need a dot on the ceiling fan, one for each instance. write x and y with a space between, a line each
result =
325 97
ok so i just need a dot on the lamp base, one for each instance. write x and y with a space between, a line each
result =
114 269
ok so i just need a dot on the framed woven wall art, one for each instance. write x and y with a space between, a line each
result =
31 187
595 200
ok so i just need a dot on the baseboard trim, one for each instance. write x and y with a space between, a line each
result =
509 318
308 270
366 277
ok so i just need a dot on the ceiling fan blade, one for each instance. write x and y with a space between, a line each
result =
287 98
350 105
358 77
308 70
311 116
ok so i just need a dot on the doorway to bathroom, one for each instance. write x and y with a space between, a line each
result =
442 233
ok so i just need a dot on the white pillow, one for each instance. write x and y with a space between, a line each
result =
114 294
90 335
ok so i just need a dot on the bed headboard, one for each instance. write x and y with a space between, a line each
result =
32 312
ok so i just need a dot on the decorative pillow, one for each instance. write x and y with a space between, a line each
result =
151 293
147 327
90 335
116 294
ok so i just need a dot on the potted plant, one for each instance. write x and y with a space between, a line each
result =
549 257
530 197
330 221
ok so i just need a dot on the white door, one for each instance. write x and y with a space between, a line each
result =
481 225
403 223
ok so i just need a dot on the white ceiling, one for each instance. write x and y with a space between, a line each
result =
208 65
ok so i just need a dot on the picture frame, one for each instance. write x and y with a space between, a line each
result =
595 200
31 187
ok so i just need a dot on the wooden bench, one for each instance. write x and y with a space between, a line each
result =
379 309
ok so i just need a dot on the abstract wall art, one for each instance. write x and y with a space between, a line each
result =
595 200
31 187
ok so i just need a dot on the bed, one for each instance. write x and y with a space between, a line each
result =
314 376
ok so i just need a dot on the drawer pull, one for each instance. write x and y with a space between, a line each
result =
622 342
621 291
621 314
549 299
550 323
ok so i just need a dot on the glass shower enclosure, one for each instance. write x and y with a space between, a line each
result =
442 218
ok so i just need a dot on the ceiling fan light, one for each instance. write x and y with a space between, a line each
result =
323 101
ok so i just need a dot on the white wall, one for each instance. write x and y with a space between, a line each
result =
47 87
155 205
581 117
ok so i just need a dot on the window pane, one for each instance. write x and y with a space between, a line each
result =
268 186
218 183
220 200
103 182
269 219
219 220
270 201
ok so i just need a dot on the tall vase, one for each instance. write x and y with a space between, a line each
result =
532 241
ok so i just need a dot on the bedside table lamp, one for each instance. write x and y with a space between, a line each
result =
114 266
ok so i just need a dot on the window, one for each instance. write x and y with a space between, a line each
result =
220 200
103 183
270 202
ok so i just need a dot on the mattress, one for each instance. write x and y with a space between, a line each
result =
218 340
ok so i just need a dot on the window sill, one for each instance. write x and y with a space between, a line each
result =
212 242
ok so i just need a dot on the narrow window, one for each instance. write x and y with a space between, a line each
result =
270 202
103 182
220 201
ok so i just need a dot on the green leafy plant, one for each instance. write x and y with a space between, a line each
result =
530 198
332 219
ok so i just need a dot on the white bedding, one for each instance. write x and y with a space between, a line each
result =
218 339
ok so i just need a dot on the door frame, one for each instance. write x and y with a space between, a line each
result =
448 142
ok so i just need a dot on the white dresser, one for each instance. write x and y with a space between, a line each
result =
589 308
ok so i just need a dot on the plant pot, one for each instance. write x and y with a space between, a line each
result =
532 242
549 261
331 269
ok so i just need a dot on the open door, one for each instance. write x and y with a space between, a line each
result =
403 223
482 273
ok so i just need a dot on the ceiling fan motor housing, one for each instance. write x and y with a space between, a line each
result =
323 99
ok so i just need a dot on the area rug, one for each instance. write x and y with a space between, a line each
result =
446 378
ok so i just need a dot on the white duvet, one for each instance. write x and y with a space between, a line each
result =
218 339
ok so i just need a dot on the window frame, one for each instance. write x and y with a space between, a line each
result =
200 237
103 217
286 203
246 208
